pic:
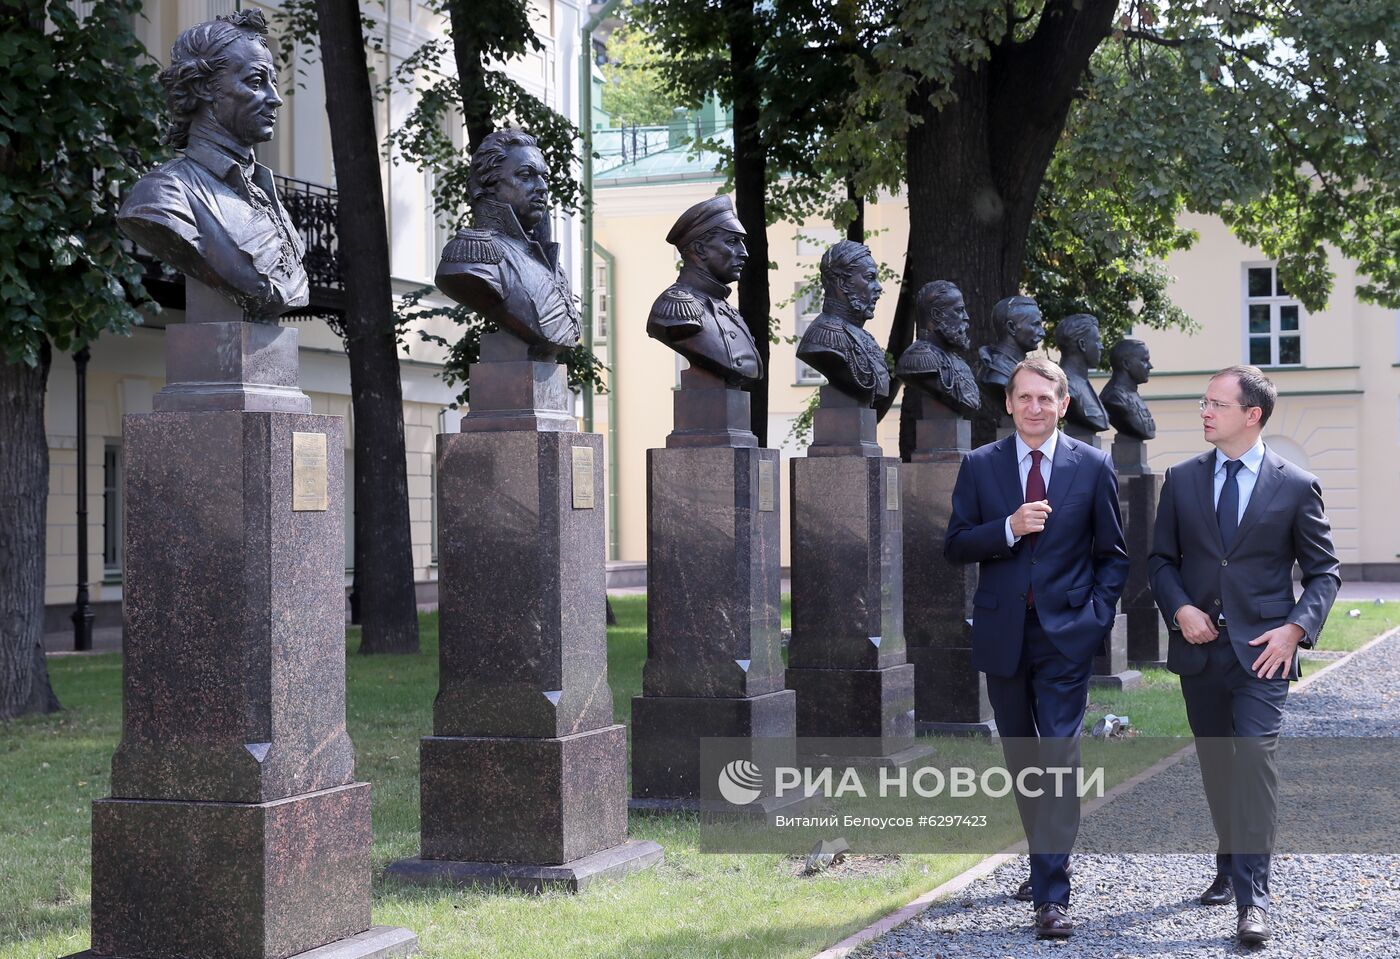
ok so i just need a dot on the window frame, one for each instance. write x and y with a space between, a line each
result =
805 309
1277 300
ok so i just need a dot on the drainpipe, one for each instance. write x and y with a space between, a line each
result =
613 548
585 109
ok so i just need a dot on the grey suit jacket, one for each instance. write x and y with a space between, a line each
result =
1252 584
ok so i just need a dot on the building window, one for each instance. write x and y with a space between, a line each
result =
807 307
112 466
600 303
1273 320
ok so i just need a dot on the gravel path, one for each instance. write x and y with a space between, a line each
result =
1139 906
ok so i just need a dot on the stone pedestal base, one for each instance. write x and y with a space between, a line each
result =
950 697
1147 637
542 802
666 734
1111 664
846 658
376 942
225 880
630 856
1137 496
1086 436
871 705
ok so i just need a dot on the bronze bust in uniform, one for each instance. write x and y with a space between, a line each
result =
931 364
504 265
836 343
213 213
1081 349
693 315
1127 411
1022 328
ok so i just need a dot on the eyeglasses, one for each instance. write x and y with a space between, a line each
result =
1216 406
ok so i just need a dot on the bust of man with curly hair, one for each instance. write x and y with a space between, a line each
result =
213 213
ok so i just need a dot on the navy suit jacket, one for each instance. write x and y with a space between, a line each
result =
1077 565
1252 583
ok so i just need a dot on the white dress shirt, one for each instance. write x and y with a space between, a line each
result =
1023 465
1245 479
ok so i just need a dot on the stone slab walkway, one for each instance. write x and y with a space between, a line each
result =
1134 907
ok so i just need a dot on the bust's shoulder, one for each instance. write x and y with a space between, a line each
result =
677 304
473 245
825 333
919 357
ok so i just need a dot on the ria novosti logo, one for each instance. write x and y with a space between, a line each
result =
740 782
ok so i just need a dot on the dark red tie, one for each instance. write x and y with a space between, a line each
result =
1035 491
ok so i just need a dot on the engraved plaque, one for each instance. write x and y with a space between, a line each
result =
308 472
767 485
583 476
891 487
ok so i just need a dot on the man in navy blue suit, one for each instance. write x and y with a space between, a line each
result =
1038 511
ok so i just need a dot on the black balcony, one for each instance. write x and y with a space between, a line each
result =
312 208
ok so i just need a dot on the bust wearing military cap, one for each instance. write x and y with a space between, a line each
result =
693 315
1081 349
1020 324
504 266
931 363
1127 412
836 343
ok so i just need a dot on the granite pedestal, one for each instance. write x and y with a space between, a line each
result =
950 697
1086 436
1110 669
846 658
235 827
714 666
1137 496
524 777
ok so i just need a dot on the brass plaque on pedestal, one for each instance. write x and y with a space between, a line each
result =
891 487
583 476
767 485
308 472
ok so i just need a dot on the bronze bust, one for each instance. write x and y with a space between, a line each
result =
1021 326
1081 349
213 213
836 343
1132 365
504 265
693 315
931 364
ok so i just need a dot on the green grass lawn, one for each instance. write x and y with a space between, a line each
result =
694 905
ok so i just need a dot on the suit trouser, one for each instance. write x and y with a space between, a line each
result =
1235 717
1039 712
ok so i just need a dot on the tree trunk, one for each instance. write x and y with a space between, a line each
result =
383 538
471 72
751 196
975 167
24 494
855 232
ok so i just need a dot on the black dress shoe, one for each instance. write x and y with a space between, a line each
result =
1052 922
1219 892
1024 892
1253 928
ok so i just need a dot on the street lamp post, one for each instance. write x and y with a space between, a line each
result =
82 612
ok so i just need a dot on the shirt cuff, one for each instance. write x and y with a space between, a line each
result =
1010 539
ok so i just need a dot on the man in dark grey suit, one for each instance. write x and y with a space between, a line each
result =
1230 526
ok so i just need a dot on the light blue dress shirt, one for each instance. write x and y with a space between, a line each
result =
1245 479
1023 464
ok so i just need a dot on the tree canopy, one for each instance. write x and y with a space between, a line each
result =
80 117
